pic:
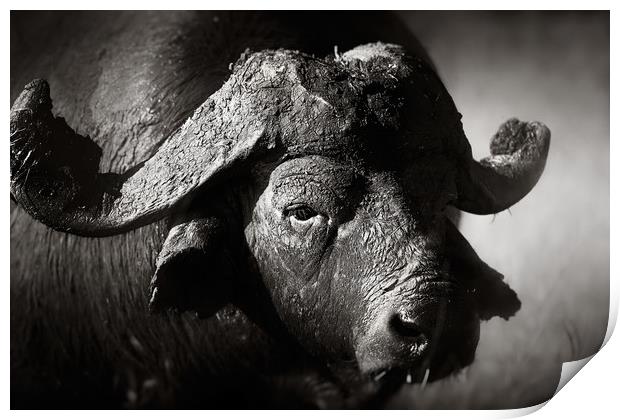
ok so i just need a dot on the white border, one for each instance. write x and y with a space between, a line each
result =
593 394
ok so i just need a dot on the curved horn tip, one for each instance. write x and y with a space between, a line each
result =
518 156
521 136
37 84
35 93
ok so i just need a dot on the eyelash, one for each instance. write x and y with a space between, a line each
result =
301 212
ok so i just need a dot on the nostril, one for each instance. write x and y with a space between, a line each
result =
405 326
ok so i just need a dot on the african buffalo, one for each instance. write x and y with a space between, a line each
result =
243 214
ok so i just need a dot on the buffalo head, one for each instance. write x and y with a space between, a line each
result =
343 170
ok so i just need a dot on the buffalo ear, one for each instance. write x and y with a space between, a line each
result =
493 297
193 272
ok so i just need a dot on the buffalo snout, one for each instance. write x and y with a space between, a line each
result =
415 339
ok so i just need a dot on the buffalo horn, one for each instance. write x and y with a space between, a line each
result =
518 155
54 170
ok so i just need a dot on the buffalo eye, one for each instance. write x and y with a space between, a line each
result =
301 213
303 218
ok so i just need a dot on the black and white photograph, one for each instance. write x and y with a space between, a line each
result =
306 209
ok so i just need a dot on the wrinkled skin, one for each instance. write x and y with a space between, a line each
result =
335 223
324 246
366 248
